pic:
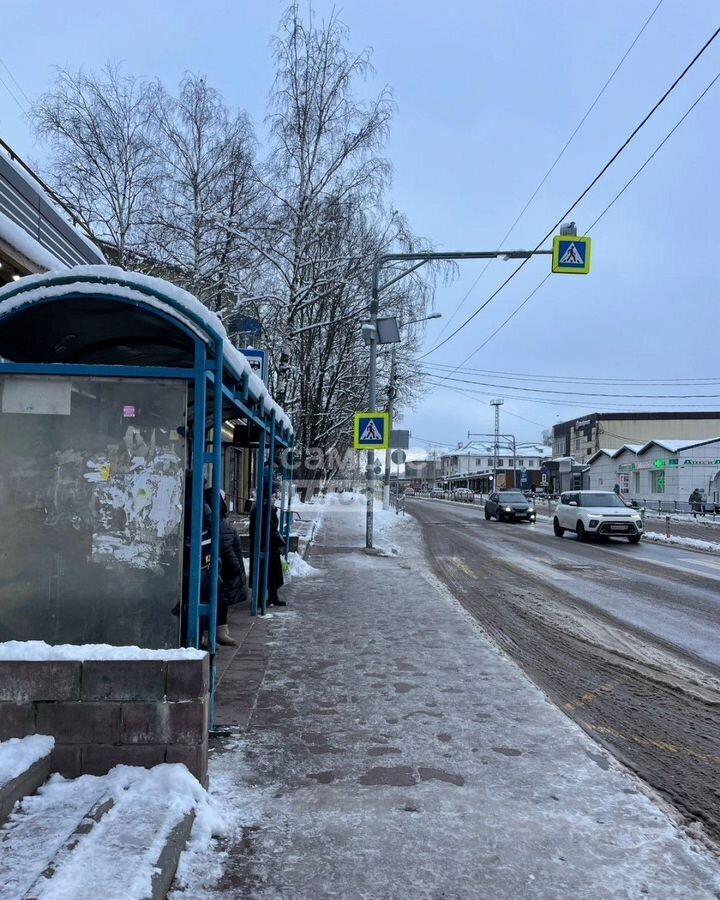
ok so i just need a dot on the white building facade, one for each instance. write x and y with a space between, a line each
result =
662 472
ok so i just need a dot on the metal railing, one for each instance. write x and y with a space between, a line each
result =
28 207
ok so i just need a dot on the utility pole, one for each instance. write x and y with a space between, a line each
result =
497 404
391 398
370 328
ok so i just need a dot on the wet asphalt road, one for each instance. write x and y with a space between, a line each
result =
625 639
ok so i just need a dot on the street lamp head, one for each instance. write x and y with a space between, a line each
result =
435 315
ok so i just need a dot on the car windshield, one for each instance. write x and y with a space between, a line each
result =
513 497
609 499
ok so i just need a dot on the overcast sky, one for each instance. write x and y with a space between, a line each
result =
487 94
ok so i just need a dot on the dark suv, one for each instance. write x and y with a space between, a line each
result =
510 505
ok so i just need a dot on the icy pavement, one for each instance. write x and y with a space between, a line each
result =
394 752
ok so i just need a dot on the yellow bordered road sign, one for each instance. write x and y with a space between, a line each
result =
372 431
571 254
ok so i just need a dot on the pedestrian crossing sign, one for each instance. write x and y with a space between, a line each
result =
372 431
571 254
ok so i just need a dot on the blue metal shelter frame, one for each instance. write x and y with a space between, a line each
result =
220 392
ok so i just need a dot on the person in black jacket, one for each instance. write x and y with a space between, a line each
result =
232 583
277 545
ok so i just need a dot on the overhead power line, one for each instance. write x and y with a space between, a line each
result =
15 81
556 391
571 379
562 402
551 169
586 191
594 223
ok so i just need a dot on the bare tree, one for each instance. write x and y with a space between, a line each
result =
325 223
103 160
207 190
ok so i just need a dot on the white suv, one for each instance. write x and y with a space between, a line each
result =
596 512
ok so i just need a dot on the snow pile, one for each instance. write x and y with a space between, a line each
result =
238 807
134 286
18 754
117 858
693 543
40 651
298 568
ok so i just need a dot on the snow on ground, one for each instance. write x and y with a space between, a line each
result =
18 754
239 808
690 543
121 849
40 651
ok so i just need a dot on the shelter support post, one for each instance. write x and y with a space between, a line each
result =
258 553
268 508
197 499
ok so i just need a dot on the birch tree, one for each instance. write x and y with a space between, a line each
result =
103 162
207 190
325 181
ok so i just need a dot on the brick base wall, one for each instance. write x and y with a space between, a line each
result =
110 712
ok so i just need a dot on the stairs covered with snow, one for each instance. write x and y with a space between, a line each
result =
117 836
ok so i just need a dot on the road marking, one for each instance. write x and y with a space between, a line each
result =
458 564
657 745
590 696
710 563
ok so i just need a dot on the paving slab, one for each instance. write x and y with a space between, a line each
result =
390 750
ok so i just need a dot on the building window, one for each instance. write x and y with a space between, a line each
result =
501 462
637 483
624 482
478 461
657 481
521 462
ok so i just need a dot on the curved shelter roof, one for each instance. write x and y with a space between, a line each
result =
103 315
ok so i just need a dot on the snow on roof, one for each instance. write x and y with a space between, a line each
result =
26 245
134 286
675 446
40 651
486 448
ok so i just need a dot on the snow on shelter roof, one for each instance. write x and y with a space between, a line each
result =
113 282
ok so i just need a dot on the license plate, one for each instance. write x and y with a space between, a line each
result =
618 527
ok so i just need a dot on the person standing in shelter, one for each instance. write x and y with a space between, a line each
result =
277 544
232 582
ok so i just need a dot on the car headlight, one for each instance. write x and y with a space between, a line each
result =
508 509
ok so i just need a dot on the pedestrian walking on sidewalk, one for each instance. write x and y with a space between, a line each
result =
694 499
277 545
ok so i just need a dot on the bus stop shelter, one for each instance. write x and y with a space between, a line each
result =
115 388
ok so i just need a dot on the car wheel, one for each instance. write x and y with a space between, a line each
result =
500 516
634 538
559 532
487 515
580 531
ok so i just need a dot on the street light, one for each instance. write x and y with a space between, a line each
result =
391 397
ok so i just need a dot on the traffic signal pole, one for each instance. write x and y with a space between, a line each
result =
419 259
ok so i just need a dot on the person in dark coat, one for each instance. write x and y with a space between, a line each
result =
694 500
277 545
232 583
233 587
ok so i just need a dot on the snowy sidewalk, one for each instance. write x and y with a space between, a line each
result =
392 752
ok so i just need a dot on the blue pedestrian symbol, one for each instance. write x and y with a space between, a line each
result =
372 431
571 254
